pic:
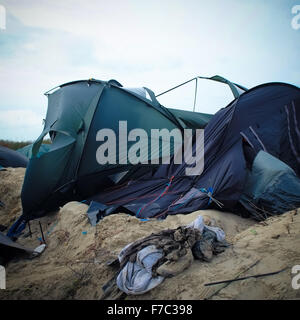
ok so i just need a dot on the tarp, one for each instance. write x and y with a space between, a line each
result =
9 248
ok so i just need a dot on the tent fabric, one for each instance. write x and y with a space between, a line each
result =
76 112
98 211
266 118
272 186
26 151
10 249
11 158
262 116
7 242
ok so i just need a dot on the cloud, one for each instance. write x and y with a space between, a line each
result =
157 44
20 124
20 118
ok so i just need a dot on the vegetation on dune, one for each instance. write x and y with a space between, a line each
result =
18 144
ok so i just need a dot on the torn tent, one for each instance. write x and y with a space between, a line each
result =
271 187
10 249
265 118
69 170
27 150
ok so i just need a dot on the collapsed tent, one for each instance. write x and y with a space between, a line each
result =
9 248
12 158
76 112
264 118
26 151
271 186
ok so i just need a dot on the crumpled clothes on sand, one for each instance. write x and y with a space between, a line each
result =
136 278
145 263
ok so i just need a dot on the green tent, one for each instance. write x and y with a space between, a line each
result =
26 151
76 112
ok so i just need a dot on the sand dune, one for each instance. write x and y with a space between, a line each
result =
74 265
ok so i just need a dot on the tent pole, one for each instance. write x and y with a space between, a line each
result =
175 87
29 229
42 233
195 98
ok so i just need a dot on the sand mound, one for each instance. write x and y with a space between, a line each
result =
11 181
74 265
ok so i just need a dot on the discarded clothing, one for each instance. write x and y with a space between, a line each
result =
212 241
173 242
172 268
208 246
136 278
145 263
199 224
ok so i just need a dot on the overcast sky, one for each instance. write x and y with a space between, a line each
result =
157 44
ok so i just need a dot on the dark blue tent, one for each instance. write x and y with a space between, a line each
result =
266 118
12 158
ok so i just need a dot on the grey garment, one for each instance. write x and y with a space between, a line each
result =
199 224
209 245
203 250
136 277
212 241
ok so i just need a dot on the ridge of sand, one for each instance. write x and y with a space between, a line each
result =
74 264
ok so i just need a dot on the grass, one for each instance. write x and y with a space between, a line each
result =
18 144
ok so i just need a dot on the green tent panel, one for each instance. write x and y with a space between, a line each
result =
76 112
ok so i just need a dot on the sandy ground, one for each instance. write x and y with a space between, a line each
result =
74 264
11 181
